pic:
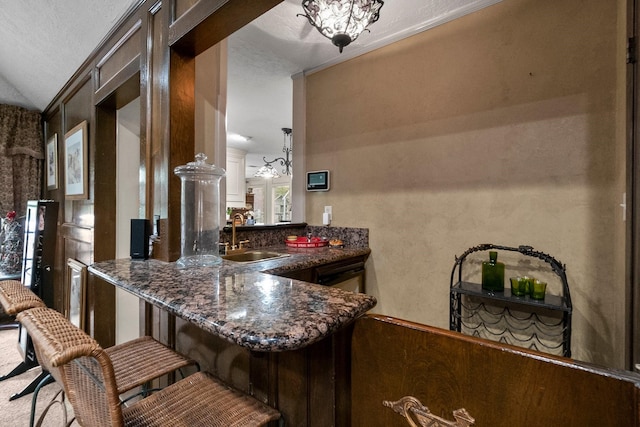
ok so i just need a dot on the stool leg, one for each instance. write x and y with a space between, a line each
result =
46 380
21 368
32 386
7 326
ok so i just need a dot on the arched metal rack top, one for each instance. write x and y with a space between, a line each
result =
557 267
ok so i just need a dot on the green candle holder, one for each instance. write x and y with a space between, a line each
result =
519 286
528 284
539 290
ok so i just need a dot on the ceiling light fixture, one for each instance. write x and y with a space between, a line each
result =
268 171
341 21
235 137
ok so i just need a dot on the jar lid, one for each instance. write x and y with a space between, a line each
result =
199 169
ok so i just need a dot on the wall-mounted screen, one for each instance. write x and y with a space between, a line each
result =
318 181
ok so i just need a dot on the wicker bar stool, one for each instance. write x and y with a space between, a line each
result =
90 381
135 362
15 297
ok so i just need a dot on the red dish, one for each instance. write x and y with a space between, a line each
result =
303 242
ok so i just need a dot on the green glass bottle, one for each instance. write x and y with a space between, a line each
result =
493 273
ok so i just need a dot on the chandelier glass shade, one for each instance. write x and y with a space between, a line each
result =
267 171
342 21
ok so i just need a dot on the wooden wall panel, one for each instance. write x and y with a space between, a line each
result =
156 122
105 192
78 243
116 92
181 6
208 22
75 243
77 100
76 229
499 385
76 109
53 126
182 135
123 52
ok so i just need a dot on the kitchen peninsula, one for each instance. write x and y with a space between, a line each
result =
293 337
262 312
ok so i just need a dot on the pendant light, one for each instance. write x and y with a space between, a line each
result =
341 21
268 171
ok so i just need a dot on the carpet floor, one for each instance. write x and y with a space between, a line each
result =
16 413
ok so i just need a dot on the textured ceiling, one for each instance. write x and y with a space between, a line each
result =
43 42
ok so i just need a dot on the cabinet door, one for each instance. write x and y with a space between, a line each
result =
235 177
306 275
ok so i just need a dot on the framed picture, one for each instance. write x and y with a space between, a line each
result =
52 162
76 284
76 162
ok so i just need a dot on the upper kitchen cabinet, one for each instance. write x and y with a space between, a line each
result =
236 187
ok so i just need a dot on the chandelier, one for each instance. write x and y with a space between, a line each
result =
342 21
268 171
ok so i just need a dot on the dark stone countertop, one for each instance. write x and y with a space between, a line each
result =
243 304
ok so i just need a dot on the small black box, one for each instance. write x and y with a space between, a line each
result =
140 232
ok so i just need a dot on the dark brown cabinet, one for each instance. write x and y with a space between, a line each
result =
348 274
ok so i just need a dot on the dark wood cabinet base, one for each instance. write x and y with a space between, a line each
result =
310 386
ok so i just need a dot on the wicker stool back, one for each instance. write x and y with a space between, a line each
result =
48 344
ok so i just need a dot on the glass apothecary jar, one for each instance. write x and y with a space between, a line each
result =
200 213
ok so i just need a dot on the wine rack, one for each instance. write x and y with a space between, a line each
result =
543 325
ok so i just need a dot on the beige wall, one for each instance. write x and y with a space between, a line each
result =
500 127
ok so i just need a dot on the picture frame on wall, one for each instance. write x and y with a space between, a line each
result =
76 162
52 162
76 287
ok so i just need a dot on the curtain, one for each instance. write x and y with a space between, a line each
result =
21 158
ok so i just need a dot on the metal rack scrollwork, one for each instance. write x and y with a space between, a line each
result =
541 325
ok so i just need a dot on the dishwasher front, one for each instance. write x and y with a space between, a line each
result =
348 275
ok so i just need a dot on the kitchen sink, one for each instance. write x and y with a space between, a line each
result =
253 256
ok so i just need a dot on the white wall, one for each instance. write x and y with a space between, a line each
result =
128 207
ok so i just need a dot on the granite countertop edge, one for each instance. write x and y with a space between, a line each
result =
313 312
